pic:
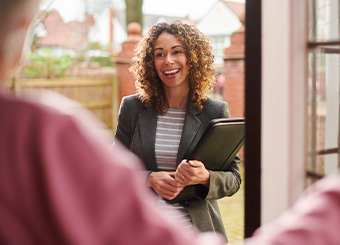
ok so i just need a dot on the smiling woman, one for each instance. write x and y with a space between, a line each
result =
173 67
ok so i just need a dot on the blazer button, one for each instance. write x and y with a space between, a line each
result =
185 204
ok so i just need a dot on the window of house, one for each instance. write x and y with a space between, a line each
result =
219 44
323 89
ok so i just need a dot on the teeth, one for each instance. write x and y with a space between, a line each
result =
171 72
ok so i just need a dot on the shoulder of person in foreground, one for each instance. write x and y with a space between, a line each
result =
313 220
92 192
65 105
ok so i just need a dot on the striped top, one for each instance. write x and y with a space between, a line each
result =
168 135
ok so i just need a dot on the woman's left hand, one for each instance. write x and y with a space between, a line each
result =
192 172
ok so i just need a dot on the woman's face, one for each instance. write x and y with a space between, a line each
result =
171 62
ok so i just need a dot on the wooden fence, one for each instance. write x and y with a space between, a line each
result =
99 95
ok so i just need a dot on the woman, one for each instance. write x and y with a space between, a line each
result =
162 124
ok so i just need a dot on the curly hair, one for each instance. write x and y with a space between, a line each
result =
200 61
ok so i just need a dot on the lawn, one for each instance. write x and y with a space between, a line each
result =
232 211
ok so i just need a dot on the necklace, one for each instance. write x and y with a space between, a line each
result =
181 105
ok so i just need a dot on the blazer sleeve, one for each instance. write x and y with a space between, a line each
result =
222 183
123 130
127 115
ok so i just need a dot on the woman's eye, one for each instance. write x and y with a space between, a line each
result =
177 52
159 55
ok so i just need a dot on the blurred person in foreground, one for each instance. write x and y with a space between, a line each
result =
313 220
60 183
162 124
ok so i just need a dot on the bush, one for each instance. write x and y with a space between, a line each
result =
103 61
44 63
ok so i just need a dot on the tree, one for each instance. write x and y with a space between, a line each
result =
134 11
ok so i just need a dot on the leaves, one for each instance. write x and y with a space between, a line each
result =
44 63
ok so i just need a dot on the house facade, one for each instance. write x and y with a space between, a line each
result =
63 37
223 19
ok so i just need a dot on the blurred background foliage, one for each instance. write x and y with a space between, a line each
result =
43 63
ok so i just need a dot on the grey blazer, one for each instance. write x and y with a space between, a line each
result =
136 129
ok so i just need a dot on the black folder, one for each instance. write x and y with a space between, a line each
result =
217 148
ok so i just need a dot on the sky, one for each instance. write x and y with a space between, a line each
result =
71 10
74 9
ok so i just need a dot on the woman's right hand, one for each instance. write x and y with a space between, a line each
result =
164 184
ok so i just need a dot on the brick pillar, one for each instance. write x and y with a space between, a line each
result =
126 79
234 74
234 77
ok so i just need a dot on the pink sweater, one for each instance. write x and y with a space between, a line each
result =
313 220
61 185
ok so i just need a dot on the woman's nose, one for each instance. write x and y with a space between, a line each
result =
169 60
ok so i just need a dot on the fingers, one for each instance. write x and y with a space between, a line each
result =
188 169
195 164
164 184
191 172
184 168
168 191
180 178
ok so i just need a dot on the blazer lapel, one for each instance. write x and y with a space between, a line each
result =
147 129
190 128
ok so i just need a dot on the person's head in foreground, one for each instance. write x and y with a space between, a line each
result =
16 17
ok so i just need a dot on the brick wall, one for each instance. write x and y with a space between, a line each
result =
233 71
233 91
126 79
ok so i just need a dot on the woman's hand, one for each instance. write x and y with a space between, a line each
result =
164 184
192 172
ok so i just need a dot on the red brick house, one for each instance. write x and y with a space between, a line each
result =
58 34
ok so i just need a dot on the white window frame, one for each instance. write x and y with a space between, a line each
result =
284 91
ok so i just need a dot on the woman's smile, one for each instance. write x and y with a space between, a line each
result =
171 73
